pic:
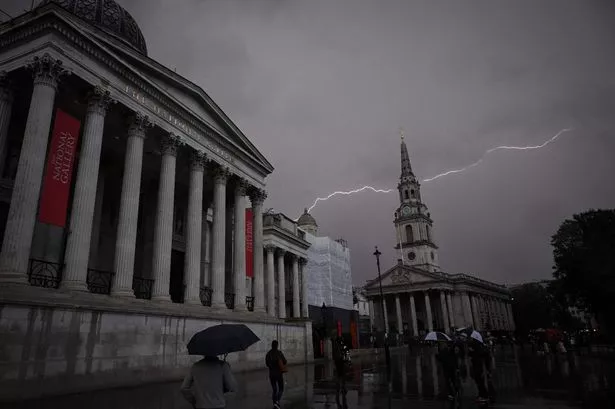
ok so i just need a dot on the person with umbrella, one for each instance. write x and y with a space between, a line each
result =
276 362
210 378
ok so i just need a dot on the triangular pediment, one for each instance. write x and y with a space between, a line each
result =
187 96
401 275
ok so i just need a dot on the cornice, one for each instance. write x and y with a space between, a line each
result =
52 21
417 244
285 235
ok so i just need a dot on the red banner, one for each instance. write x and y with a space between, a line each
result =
59 171
249 245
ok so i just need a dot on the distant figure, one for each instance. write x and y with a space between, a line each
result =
341 360
276 362
479 357
209 379
448 358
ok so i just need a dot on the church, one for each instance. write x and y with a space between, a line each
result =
415 295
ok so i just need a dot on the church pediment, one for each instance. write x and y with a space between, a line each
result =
403 275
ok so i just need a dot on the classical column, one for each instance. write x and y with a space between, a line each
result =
239 248
221 175
398 314
84 196
281 285
305 311
296 299
205 250
270 281
257 197
126 238
415 328
475 314
6 105
194 234
511 317
467 309
21 218
449 304
386 314
163 230
444 311
428 311
371 315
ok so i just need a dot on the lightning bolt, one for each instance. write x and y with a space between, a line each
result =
350 192
497 148
449 172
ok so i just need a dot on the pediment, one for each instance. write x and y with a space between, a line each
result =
180 92
403 275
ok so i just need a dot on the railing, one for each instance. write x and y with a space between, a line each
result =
205 295
250 303
99 282
229 300
44 273
143 287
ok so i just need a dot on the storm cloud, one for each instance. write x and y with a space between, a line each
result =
321 88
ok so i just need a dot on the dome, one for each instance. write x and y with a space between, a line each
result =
306 219
108 16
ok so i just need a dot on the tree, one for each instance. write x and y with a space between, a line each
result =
531 307
584 255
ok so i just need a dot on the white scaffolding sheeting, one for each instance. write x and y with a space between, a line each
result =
328 273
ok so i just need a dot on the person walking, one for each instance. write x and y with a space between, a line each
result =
450 368
479 356
207 382
276 362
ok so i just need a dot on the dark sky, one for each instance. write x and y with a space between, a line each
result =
321 87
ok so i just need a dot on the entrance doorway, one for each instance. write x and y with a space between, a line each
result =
176 282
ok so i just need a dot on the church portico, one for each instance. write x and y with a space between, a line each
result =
416 296
125 192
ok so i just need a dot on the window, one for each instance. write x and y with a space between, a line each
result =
409 234
406 194
412 192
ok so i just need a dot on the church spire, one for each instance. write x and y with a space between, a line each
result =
406 169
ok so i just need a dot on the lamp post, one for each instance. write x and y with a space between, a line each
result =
387 352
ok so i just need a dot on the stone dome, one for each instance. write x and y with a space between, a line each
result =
108 16
306 219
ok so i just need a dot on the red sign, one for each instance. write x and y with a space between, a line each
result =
249 245
59 170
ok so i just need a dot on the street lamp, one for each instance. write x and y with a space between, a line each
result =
387 352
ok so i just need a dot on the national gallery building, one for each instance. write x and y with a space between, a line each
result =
131 212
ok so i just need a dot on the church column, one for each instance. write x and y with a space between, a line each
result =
257 197
221 175
305 310
428 311
205 250
192 269
371 315
82 212
163 230
385 313
281 285
6 106
126 238
239 248
467 309
270 280
21 218
511 317
296 300
475 314
415 329
444 311
449 304
398 314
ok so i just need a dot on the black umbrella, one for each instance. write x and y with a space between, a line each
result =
221 339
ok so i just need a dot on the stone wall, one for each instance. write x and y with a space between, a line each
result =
52 346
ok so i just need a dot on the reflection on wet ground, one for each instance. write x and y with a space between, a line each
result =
521 380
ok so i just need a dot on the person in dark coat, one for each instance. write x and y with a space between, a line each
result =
276 362
450 367
479 357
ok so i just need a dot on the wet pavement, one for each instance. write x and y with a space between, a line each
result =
522 380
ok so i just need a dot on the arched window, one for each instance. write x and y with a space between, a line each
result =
412 192
409 234
406 194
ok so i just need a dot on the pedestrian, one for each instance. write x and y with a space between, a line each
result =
450 367
207 382
276 362
478 353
